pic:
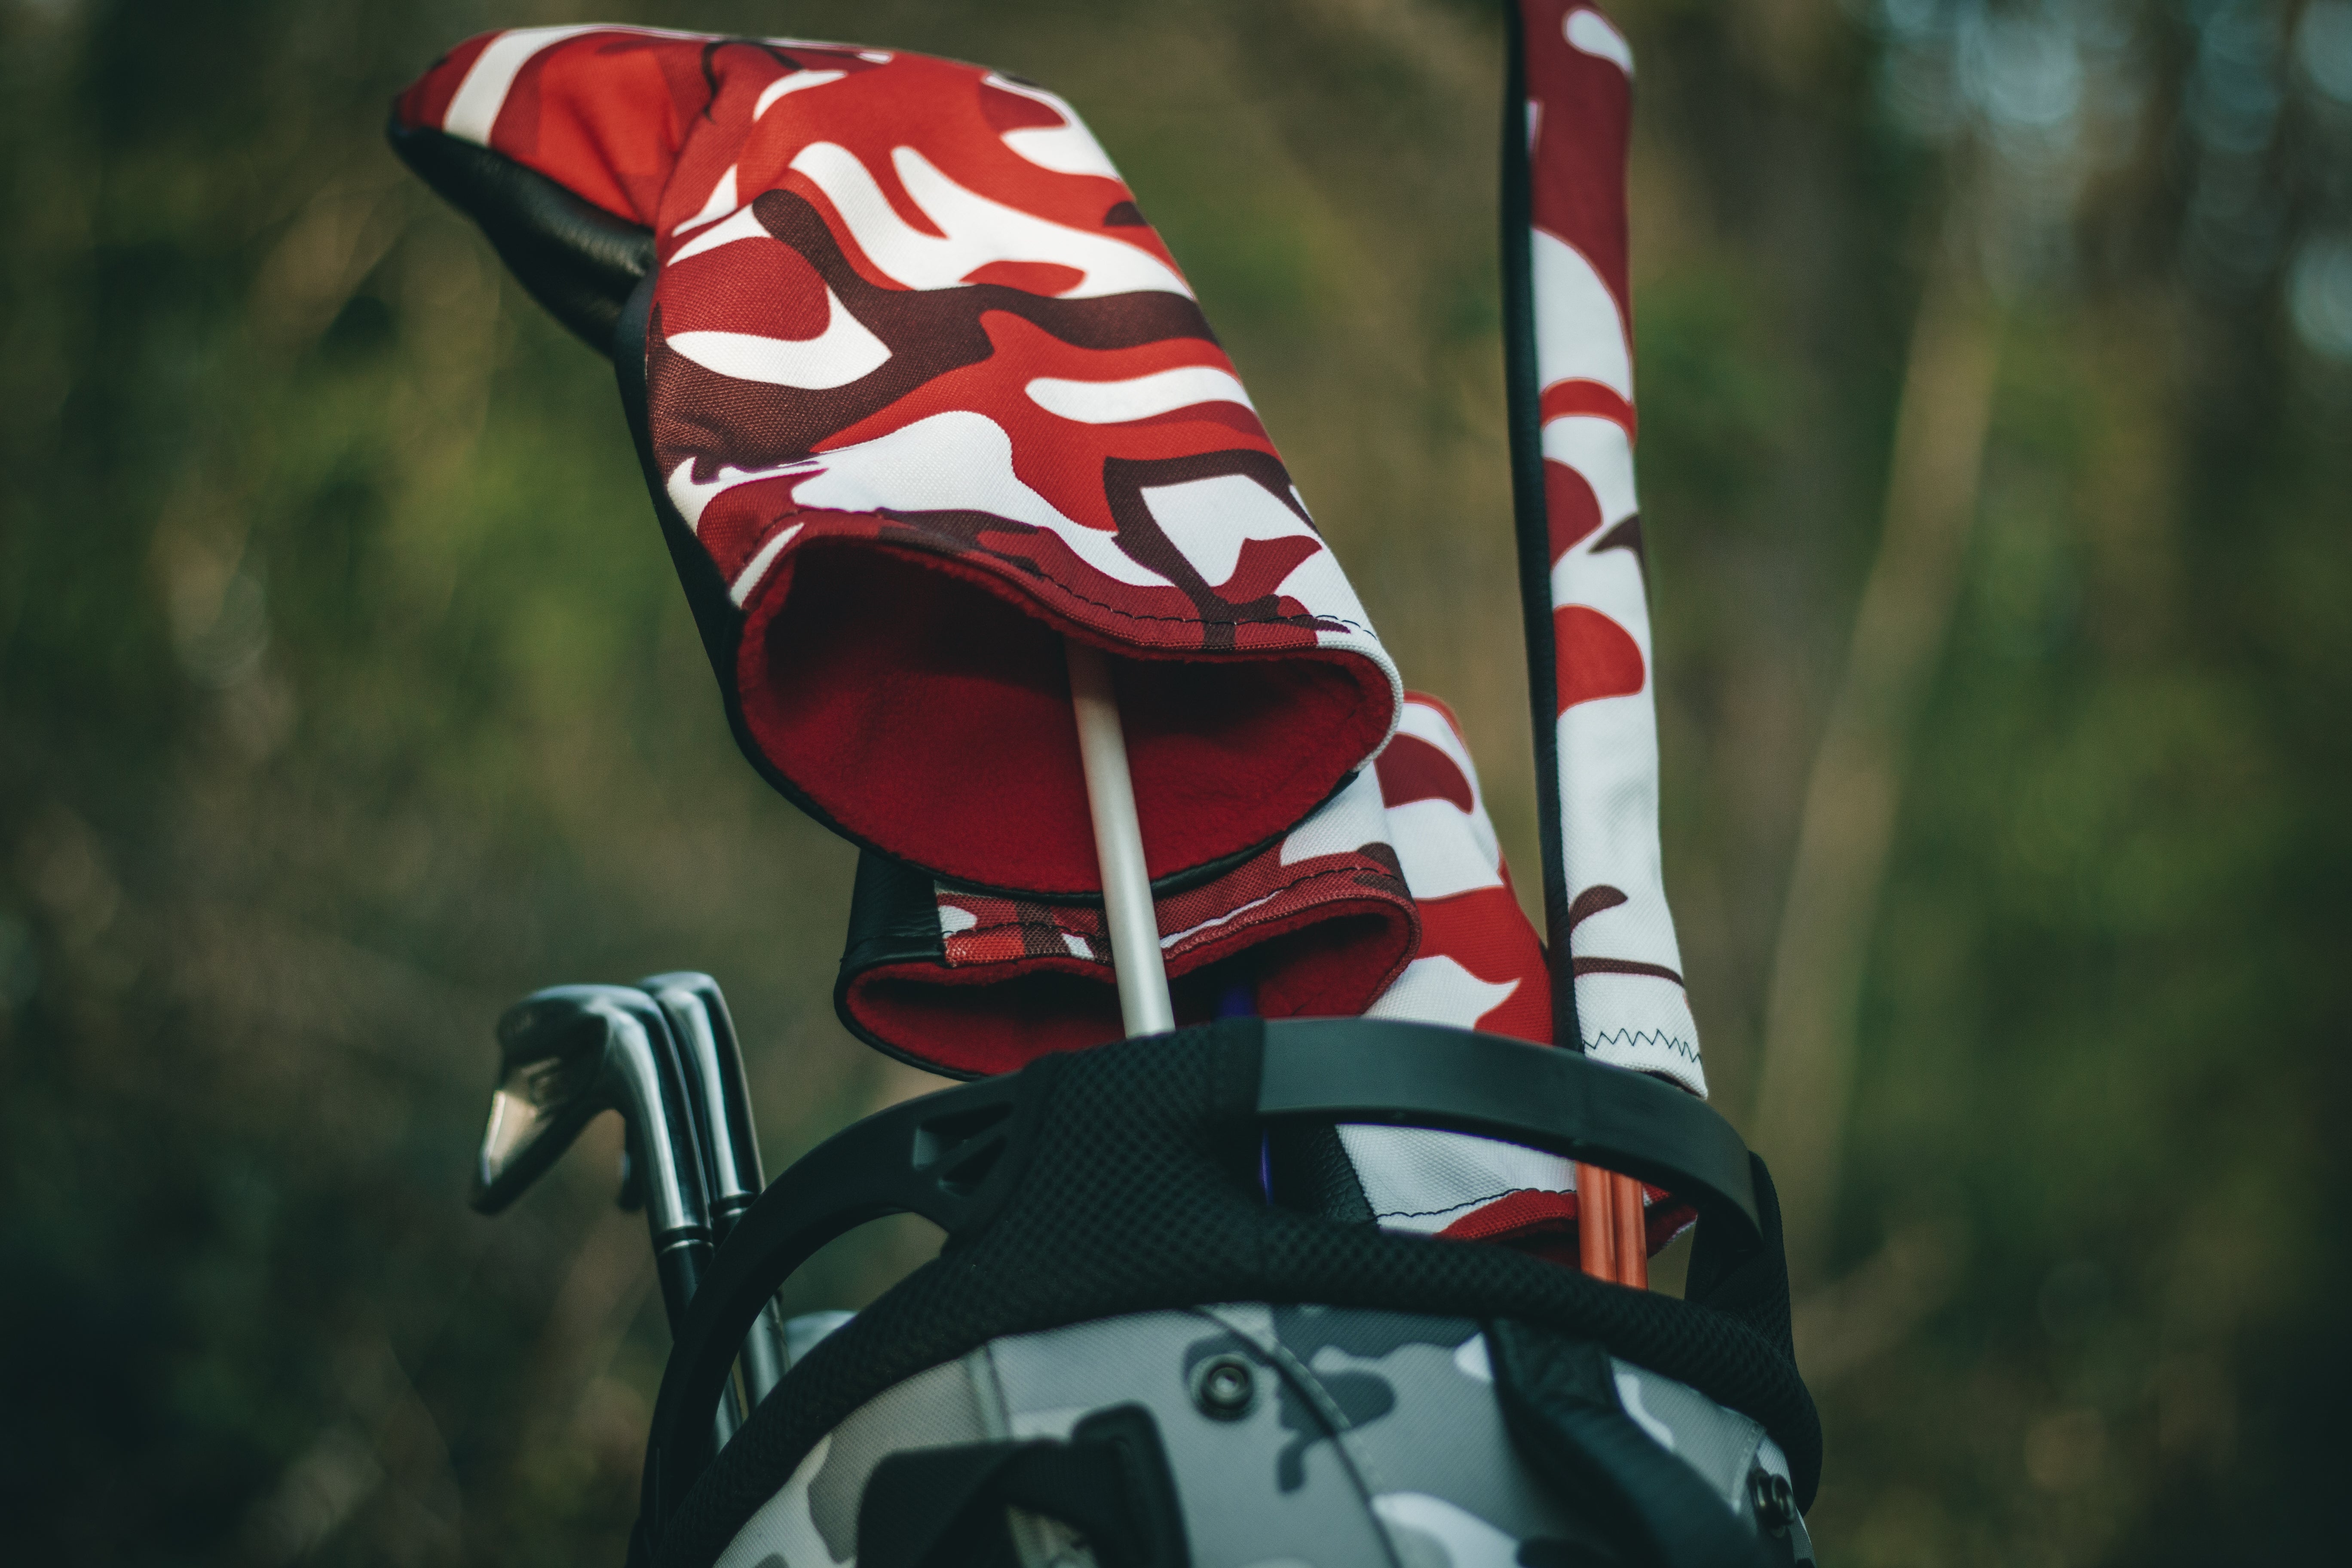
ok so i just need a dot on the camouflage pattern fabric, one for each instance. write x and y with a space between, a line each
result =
1367 1438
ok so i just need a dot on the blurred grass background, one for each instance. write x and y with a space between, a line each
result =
1988 355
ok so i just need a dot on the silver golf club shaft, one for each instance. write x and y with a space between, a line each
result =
676 1183
699 1022
677 1211
1145 1007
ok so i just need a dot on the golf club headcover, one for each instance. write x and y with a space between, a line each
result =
975 983
918 394
1580 539
1392 900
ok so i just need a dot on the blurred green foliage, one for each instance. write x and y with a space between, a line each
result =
345 695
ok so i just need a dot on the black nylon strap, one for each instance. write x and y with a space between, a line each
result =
1559 1400
943 1157
944 1508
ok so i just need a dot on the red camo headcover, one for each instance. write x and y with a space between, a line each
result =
920 393
1630 1003
1316 926
1593 653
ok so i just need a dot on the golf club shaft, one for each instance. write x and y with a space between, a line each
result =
699 1019
763 1360
1144 1005
680 1260
1632 1233
678 1206
1596 1228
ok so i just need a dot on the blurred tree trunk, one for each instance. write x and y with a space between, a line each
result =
1805 1078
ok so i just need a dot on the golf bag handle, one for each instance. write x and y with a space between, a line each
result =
1563 1102
954 1156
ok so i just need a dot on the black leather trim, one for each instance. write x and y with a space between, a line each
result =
1523 415
575 259
894 915
894 918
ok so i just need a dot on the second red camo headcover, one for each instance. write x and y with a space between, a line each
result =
928 393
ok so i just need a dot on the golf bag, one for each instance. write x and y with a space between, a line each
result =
1279 1229
1127 1332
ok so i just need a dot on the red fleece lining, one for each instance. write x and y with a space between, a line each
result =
1005 1021
1318 970
926 710
984 1024
994 1018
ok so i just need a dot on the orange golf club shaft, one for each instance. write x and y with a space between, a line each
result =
1632 1233
1596 1223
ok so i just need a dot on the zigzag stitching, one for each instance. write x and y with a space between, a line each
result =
1465 1204
1630 1040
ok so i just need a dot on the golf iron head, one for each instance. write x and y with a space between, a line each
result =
567 1055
